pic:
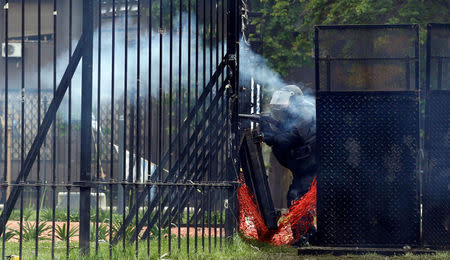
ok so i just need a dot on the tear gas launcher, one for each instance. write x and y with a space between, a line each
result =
261 118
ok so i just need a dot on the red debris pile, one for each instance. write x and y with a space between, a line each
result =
292 225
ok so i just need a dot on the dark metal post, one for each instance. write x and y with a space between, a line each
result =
121 163
316 58
86 118
232 51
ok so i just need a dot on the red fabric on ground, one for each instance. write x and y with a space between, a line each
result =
291 226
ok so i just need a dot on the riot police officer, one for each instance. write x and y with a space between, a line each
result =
293 139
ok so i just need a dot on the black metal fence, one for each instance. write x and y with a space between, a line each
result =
436 196
137 144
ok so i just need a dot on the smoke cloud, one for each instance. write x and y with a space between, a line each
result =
126 63
255 66
251 64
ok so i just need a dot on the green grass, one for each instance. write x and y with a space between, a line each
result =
239 249
46 214
236 250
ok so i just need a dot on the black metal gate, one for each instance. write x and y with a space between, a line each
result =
137 144
436 193
367 135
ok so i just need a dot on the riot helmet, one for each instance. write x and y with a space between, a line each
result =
285 99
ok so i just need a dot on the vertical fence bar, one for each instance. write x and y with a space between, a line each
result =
98 150
204 144
189 53
217 148
86 126
180 35
196 114
316 58
188 220
224 115
138 118
111 170
188 131
22 123
148 216
150 115
38 187
210 31
69 137
204 65
210 148
125 114
160 127
170 115
217 33
178 188
209 207
196 200
203 209
55 12
5 137
220 216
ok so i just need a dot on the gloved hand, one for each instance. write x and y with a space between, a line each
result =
264 127
268 133
269 138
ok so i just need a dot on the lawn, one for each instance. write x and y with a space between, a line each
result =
239 249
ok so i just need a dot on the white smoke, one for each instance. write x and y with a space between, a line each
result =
254 66
251 64
146 65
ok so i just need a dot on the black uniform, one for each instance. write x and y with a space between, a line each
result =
293 144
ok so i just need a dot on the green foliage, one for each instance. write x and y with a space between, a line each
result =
289 24
75 216
30 232
61 215
28 214
9 234
15 215
47 214
117 224
103 215
62 232
102 232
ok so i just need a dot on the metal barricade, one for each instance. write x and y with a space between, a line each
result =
436 189
367 81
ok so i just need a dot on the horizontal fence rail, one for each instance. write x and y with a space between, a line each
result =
118 126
